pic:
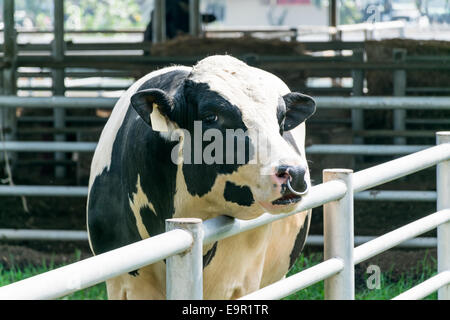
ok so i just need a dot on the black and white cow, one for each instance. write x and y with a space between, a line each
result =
141 176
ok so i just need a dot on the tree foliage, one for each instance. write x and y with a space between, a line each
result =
84 14
103 14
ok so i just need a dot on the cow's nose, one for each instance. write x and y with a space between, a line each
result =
291 178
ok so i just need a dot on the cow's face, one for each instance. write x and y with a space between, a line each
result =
232 156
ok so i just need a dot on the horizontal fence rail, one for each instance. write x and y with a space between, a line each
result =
426 288
386 172
298 281
332 266
88 272
343 149
47 235
335 102
74 235
393 238
363 149
37 146
57 102
99 268
71 191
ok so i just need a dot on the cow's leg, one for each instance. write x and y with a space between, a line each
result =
147 283
286 241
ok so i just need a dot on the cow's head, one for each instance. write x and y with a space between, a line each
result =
237 127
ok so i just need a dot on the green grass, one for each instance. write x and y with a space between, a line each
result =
390 285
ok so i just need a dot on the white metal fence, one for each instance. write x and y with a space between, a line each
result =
187 236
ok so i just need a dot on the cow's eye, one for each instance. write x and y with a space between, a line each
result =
210 118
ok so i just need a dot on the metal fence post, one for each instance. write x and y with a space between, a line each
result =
294 35
194 18
159 21
399 78
443 202
338 237
358 90
58 49
8 115
184 272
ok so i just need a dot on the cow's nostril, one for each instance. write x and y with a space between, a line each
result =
282 171
297 183
282 174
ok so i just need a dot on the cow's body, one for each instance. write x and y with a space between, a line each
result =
135 185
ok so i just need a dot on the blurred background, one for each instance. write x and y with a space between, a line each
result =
65 63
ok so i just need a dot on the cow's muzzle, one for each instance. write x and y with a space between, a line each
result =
293 184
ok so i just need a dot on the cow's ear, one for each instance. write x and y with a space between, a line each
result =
153 106
299 107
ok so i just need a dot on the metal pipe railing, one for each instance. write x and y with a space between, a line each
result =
393 238
342 149
336 290
372 103
88 272
364 149
43 191
384 103
301 280
423 242
337 191
426 288
396 195
80 235
338 237
371 177
75 191
57 102
224 226
37 146
443 202
46 235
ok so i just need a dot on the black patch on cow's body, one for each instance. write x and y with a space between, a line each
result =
134 273
201 102
300 241
137 151
242 195
207 258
